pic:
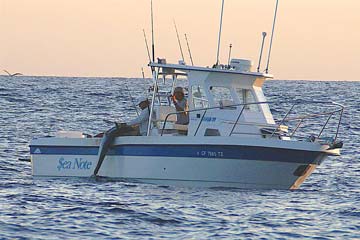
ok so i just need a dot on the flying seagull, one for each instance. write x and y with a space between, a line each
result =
13 75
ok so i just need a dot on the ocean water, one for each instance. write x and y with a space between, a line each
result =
326 207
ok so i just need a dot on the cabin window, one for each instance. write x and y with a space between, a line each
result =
198 97
222 96
247 96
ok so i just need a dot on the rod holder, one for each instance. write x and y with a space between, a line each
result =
230 47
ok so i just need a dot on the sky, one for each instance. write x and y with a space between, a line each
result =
314 40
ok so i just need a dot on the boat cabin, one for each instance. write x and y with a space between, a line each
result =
222 101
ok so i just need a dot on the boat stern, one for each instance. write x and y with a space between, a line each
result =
64 157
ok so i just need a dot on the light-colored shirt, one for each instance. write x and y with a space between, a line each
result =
142 120
182 118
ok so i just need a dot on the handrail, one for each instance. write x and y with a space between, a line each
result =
327 121
296 128
284 119
311 115
338 127
202 118
237 120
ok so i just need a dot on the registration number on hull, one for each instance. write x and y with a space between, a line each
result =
210 154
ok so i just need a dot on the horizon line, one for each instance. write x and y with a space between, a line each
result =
124 77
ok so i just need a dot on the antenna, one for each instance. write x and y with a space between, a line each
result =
187 43
230 47
261 51
152 32
272 35
147 46
221 18
143 74
177 34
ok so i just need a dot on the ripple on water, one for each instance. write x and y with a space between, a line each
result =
326 207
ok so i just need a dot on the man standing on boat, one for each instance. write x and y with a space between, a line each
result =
181 105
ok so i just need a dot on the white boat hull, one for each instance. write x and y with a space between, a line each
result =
258 163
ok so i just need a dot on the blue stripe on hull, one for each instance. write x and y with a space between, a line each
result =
193 151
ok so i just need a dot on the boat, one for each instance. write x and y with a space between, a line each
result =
231 140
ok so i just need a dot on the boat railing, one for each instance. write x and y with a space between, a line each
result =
274 132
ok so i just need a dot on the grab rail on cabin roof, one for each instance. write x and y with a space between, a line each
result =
340 110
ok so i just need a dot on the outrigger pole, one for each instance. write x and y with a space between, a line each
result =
261 50
188 46
221 18
177 34
272 35
154 73
152 33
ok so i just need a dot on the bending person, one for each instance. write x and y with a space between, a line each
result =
110 135
143 119
181 105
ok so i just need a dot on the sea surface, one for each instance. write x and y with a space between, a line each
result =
327 206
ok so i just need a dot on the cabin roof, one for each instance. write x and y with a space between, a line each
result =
181 67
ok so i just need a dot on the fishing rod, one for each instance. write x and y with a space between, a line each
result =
177 34
188 46
147 46
143 74
132 100
272 35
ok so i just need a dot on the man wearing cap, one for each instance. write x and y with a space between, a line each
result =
181 105
121 130
143 119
